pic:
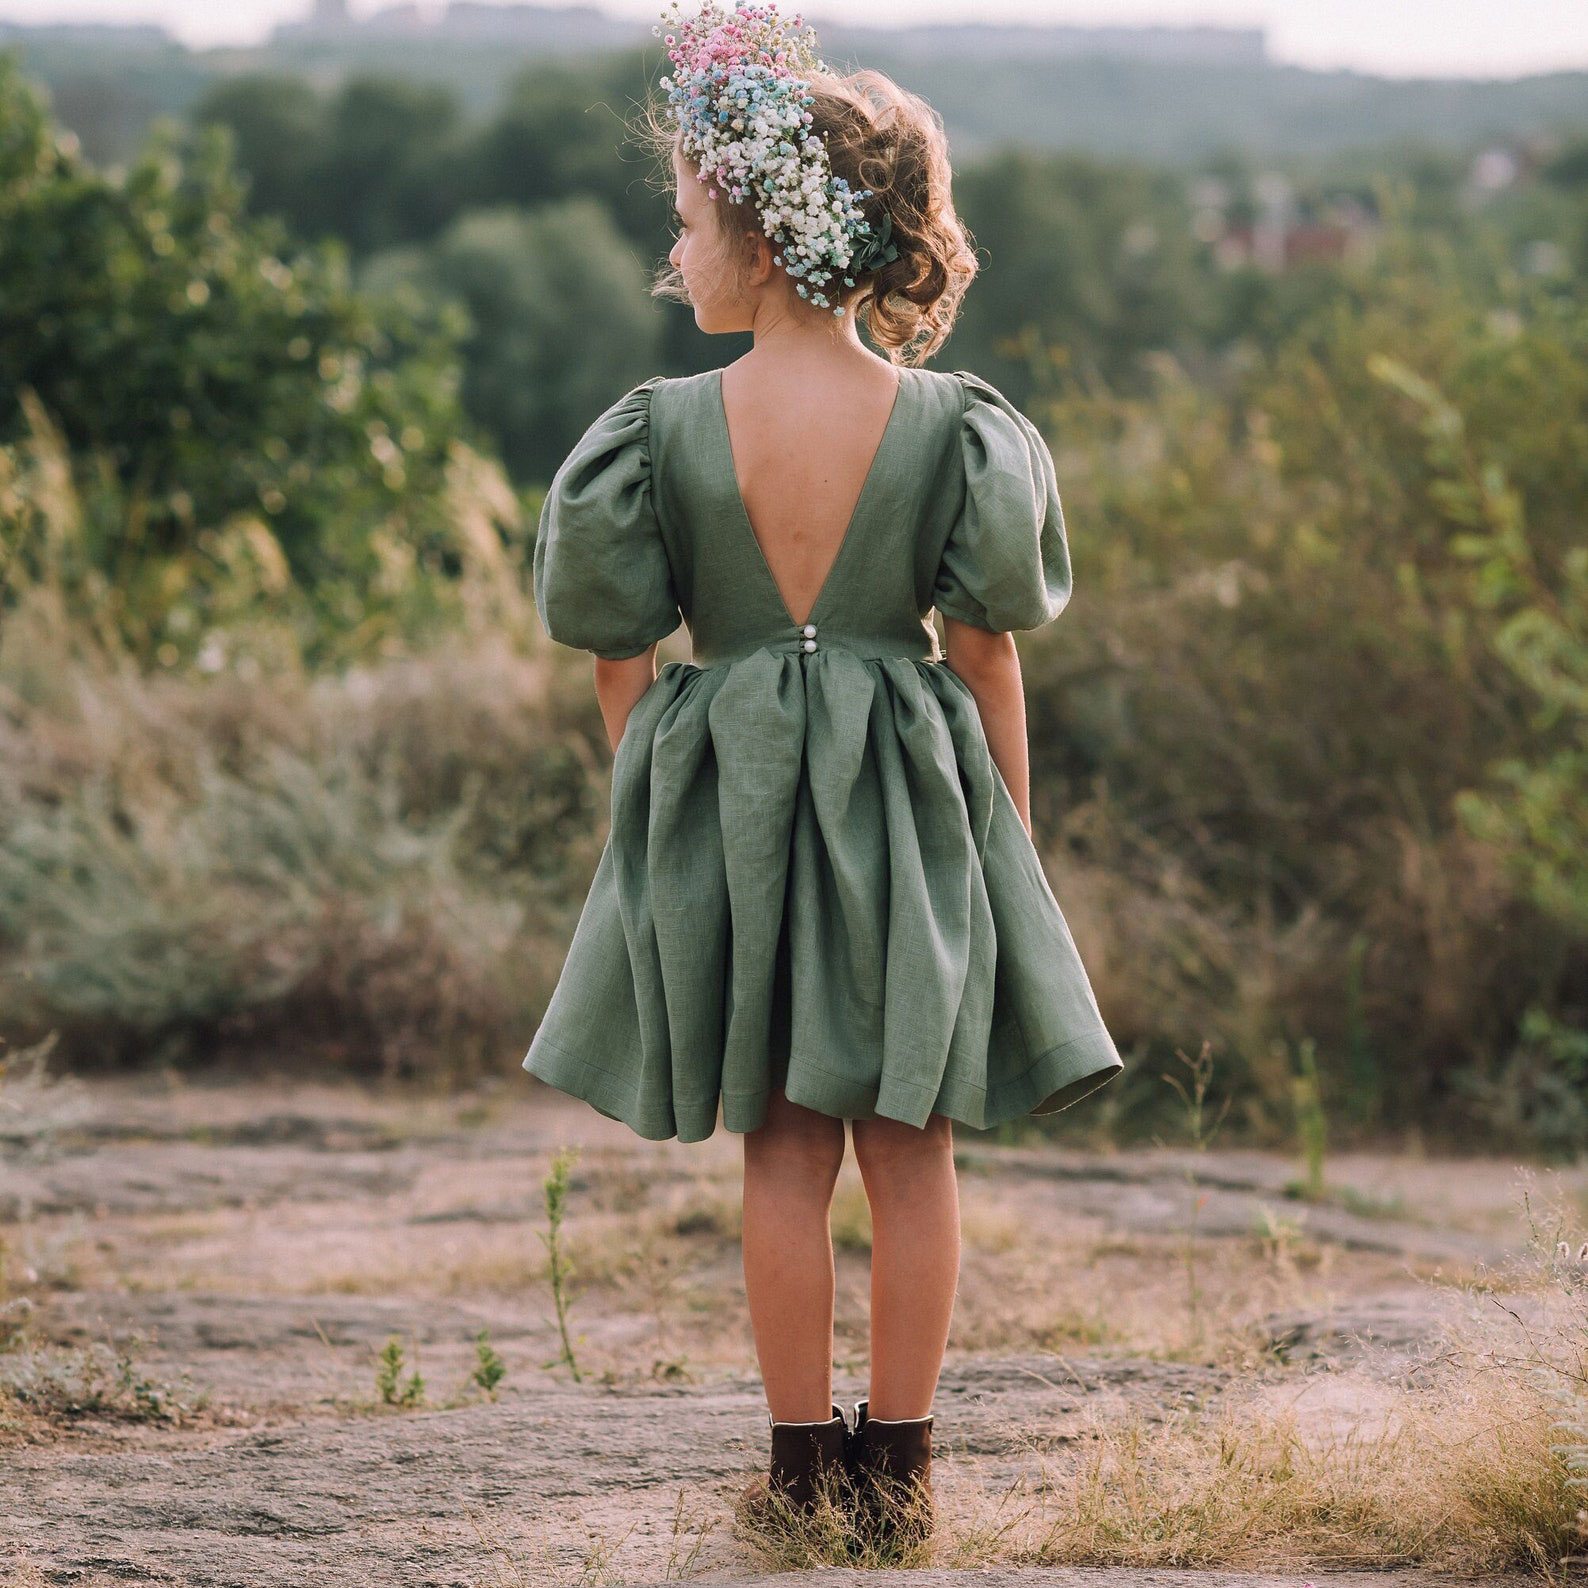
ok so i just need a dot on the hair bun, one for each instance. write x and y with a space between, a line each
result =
890 142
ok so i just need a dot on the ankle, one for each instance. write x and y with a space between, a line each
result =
797 1412
894 1411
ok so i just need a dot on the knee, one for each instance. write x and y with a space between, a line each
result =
894 1156
796 1147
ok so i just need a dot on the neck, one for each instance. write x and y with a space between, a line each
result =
784 324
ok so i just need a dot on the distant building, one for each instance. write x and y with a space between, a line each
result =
574 27
1210 46
404 18
325 16
1298 243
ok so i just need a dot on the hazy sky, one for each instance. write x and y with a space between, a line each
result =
1476 38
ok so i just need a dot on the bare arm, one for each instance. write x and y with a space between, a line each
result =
619 686
989 666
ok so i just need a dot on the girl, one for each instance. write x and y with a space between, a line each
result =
819 900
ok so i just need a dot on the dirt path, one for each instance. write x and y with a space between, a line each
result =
246 1250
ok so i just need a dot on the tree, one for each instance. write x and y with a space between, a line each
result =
278 128
377 164
199 367
528 278
1093 261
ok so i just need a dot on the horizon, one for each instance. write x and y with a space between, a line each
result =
1417 39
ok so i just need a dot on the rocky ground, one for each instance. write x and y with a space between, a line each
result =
197 1282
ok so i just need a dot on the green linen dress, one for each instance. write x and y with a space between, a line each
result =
815 876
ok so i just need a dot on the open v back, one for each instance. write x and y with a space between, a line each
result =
777 549
815 878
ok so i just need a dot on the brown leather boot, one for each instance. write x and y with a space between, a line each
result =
806 1459
890 1469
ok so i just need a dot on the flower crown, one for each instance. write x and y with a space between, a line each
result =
742 107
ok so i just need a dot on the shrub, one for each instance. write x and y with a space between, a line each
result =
217 389
1311 736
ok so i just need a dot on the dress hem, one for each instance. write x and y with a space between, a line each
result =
1060 1076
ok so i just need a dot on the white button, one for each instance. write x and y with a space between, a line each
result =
810 645
809 631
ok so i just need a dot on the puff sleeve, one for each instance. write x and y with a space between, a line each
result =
603 582
1006 563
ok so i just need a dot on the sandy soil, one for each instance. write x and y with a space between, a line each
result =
234 1256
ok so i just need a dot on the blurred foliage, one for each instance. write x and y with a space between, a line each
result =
222 394
1089 265
563 132
1083 260
373 165
523 277
1312 728
378 869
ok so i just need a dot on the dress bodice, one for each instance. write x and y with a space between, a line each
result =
878 589
644 527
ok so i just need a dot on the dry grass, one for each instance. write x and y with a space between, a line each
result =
45 1388
782 1538
1466 1464
376 868
594 1555
1461 1477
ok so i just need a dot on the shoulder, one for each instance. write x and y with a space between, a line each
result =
624 419
975 402
683 400
977 393
990 431
939 397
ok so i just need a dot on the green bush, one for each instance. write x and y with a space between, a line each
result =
211 384
1312 729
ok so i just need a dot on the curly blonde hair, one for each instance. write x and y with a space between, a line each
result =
882 138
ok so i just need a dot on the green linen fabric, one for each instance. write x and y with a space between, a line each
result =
815 877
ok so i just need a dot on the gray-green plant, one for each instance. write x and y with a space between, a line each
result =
559 1269
63 1384
390 1385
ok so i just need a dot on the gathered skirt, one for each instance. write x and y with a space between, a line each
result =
816 880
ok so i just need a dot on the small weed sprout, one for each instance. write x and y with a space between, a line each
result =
558 1268
489 1368
1276 1236
393 1389
1193 1090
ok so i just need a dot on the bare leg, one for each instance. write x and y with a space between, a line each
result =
914 1196
790 1168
